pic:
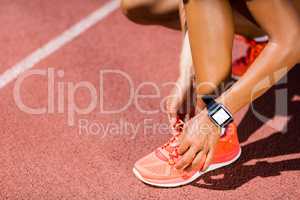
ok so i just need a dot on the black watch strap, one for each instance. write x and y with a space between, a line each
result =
209 101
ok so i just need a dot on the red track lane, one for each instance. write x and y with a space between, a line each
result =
27 25
42 157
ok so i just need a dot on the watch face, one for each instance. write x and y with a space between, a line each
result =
220 116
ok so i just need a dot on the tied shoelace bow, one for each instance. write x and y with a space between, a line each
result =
172 145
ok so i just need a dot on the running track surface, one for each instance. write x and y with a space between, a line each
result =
43 157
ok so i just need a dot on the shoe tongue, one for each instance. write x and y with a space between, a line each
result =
172 143
163 153
171 148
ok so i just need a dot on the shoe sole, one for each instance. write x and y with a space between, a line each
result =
194 177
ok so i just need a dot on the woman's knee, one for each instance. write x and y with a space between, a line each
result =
137 10
128 6
289 44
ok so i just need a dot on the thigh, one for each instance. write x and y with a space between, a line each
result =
149 12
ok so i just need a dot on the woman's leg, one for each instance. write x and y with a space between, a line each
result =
165 13
181 95
281 20
211 31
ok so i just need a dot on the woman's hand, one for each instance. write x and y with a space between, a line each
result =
198 144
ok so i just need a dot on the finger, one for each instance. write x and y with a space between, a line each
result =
199 161
200 158
186 159
208 160
184 146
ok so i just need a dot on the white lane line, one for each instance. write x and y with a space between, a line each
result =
58 42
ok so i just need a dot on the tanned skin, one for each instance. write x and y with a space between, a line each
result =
211 26
281 54
171 14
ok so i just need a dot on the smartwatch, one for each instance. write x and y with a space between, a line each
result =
217 112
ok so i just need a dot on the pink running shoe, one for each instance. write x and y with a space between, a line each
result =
255 47
157 168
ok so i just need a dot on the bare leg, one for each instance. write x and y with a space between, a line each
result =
181 97
211 32
180 100
165 13
280 55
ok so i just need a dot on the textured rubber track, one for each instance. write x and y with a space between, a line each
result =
42 157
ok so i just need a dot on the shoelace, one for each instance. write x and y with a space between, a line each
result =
255 48
172 145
